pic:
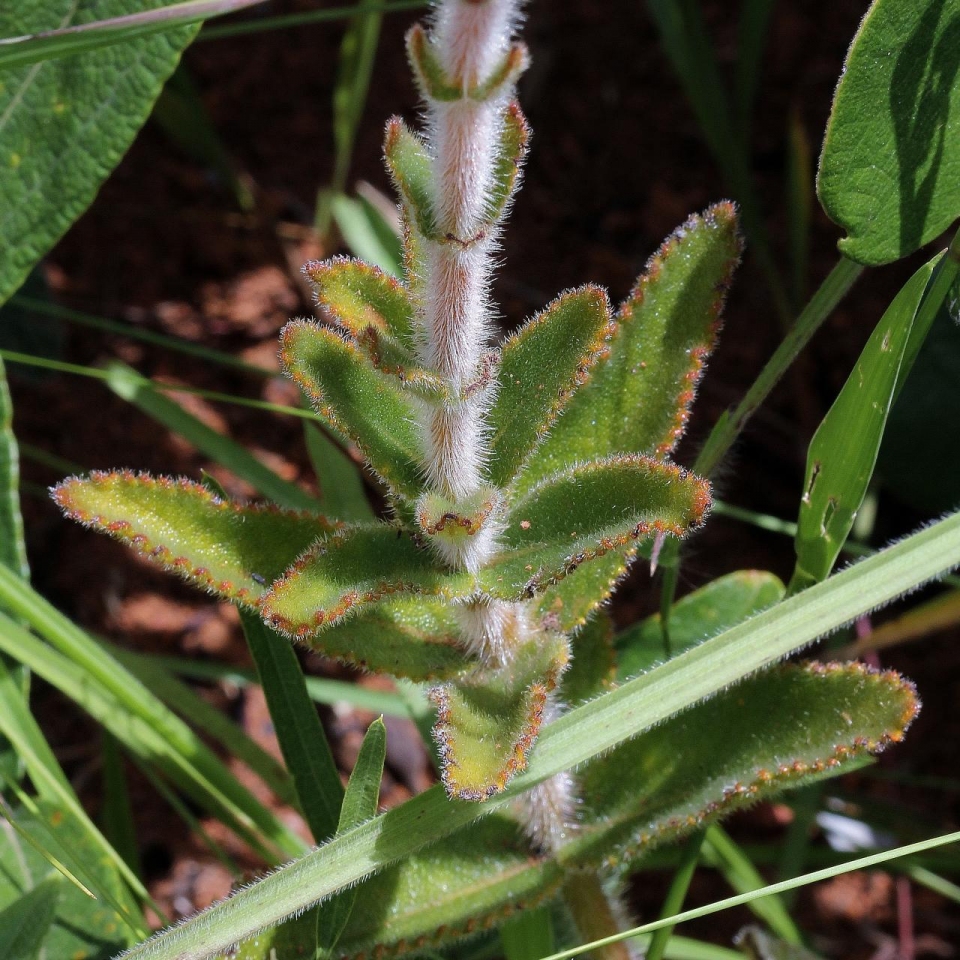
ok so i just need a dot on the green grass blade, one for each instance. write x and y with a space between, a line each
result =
85 38
93 673
13 552
302 739
843 452
357 52
156 676
293 20
677 893
576 737
751 39
862 863
743 876
341 482
117 814
129 385
367 234
54 311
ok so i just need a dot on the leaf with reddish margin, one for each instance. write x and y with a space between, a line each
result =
586 513
777 729
234 550
412 637
357 401
352 568
541 366
411 170
357 295
488 721
638 399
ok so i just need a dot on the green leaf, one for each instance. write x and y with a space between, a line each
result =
541 366
411 170
359 402
638 400
462 884
25 923
575 738
593 665
570 602
66 920
488 721
341 481
13 552
135 389
233 550
357 296
68 122
585 513
510 152
367 233
303 742
713 608
773 730
888 168
843 451
359 805
413 637
359 565
528 935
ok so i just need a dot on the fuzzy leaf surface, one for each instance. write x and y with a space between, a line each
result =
593 664
358 401
713 608
638 399
411 170
359 565
487 722
233 550
541 365
510 152
13 552
890 168
412 637
585 513
439 895
771 731
357 295
67 122
570 602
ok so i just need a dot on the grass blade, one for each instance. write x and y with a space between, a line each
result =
129 385
302 739
576 737
340 479
156 676
130 710
69 41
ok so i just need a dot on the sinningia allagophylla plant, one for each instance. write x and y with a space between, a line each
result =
521 480
519 477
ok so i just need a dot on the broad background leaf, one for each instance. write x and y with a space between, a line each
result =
66 123
890 167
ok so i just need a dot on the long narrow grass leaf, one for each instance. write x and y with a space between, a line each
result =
297 725
128 384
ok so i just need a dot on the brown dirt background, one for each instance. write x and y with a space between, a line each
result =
617 162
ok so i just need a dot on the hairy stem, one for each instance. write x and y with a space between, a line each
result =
594 914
